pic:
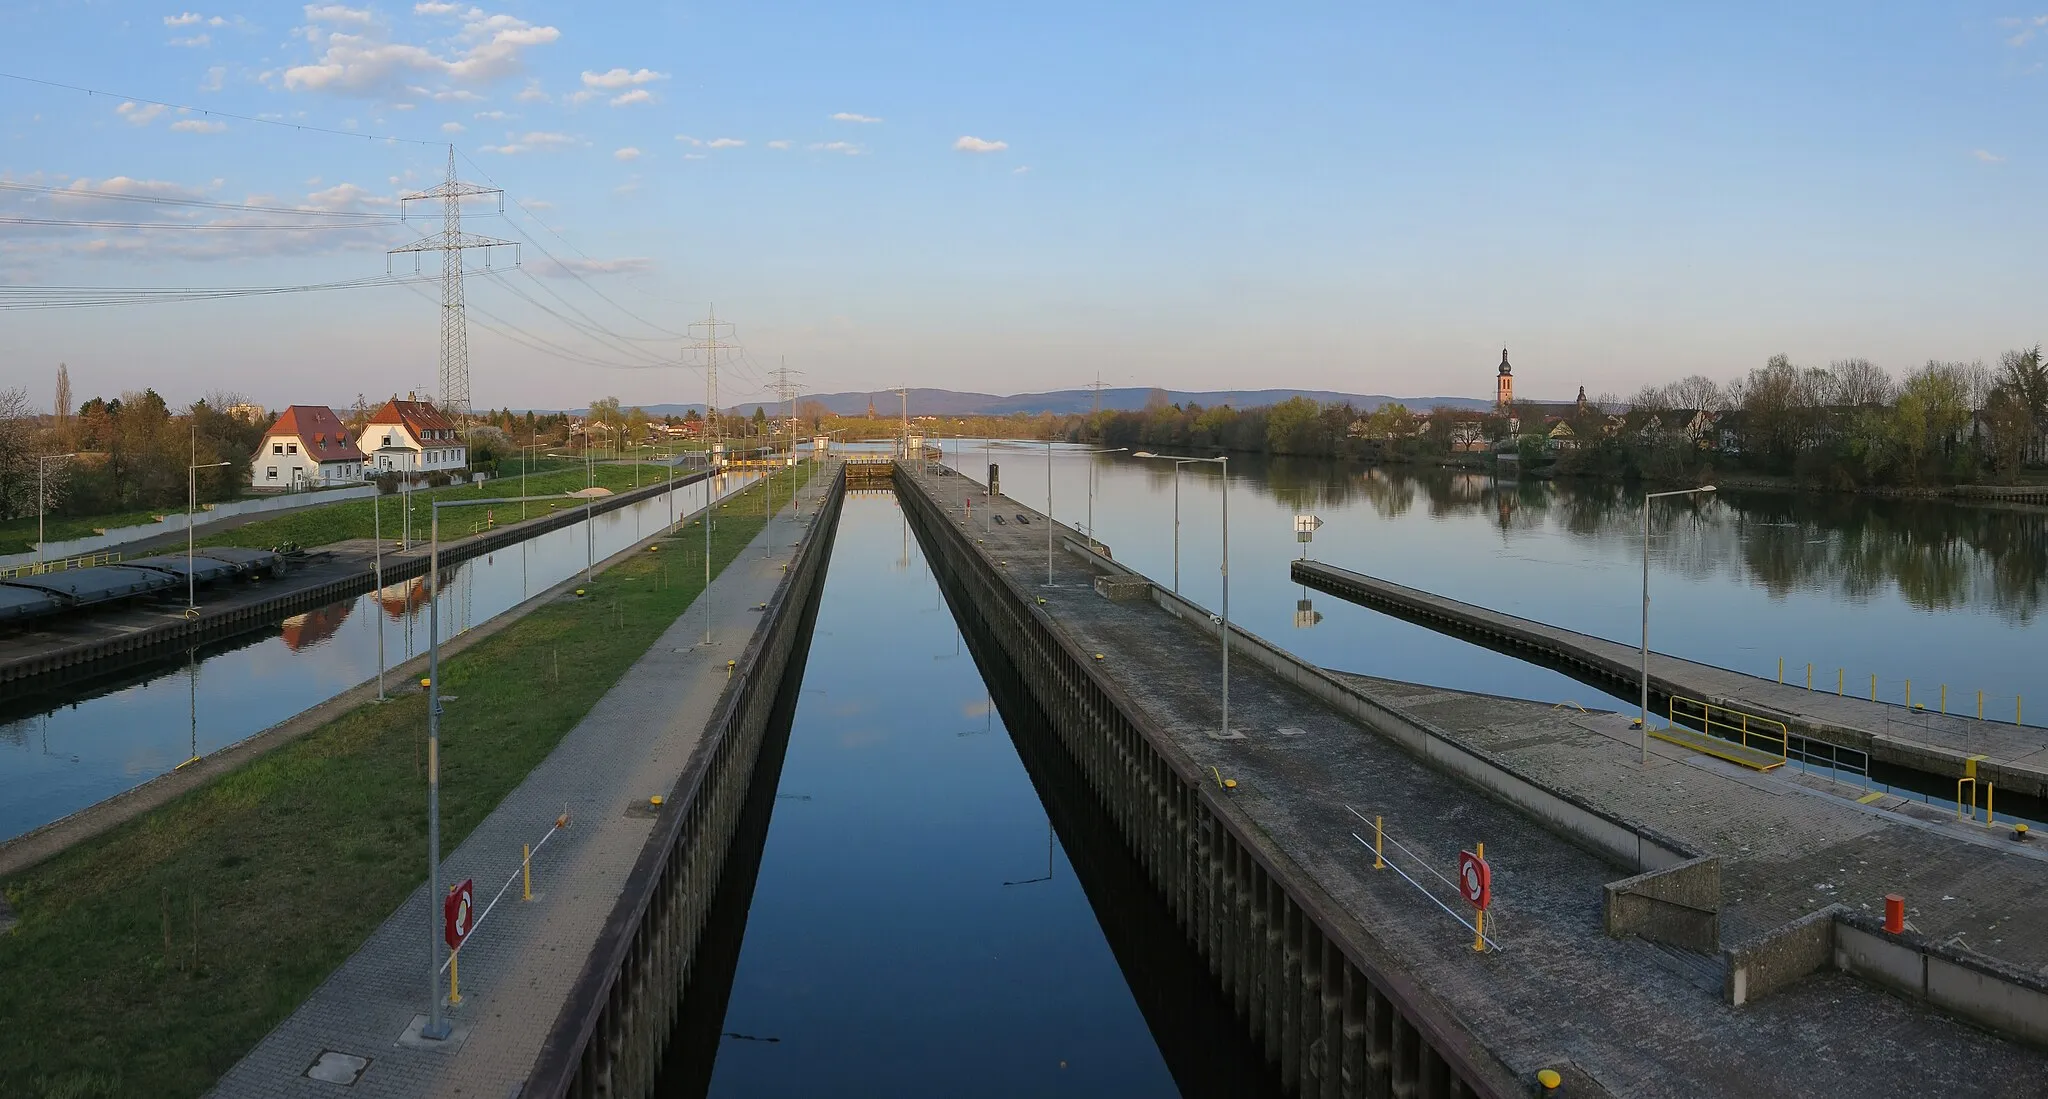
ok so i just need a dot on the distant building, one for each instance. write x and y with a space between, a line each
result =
247 413
307 447
412 436
1504 386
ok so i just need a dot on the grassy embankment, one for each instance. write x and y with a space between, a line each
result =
319 526
19 535
148 960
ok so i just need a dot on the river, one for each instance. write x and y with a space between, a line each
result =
62 753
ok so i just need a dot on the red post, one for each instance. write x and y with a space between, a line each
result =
1894 913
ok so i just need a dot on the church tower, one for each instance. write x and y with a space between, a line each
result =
1504 388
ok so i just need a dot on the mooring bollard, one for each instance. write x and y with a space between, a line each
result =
526 868
1894 913
1378 831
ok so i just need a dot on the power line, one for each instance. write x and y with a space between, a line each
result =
183 108
79 297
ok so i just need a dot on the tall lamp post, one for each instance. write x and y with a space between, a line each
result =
43 496
525 459
1177 463
437 1028
1091 490
1644 723
1224 633
191 500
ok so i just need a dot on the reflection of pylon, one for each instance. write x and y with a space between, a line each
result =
450 242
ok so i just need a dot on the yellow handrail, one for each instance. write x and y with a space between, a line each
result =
1733 724
38 568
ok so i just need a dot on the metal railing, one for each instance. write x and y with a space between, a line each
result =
37 568
1758 734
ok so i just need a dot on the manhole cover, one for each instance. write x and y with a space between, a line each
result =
333 1067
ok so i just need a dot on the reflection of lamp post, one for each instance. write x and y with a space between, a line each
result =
1223 460
191 499
1644 723
43 497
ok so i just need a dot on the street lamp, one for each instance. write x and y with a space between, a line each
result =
43 496
1644 722
1224 461
438 1028
191 499
525 460
1177 463
1091 490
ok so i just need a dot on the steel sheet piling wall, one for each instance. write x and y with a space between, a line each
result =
1298 972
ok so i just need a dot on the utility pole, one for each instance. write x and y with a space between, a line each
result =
705 336
450 242
1098 385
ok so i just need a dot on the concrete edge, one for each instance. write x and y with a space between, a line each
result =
1679 905
25 851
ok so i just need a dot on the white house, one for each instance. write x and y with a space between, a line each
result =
306 448
414 437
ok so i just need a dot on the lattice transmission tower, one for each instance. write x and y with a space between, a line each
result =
451 242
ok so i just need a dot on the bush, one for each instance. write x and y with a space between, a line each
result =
438 479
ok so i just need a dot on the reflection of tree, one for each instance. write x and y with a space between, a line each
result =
1938 555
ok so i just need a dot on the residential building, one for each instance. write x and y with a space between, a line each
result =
412 436
307 447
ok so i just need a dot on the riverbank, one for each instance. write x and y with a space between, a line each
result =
152 957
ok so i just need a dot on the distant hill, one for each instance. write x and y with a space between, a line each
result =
949 402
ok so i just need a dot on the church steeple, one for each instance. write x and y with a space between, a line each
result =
1504 387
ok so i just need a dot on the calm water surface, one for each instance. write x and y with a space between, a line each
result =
61 753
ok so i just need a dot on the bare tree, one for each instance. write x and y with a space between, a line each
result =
1698 391
17 454
2025 377
1651 398
1860 382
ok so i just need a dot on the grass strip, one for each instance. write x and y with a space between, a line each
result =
149 959
319 526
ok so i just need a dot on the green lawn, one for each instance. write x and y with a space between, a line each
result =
356 518
19 535
150 959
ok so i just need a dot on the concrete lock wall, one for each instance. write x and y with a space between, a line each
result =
609 1038
1782 957
175 522
1333 1011
1679 905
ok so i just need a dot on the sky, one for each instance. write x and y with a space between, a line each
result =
1011 197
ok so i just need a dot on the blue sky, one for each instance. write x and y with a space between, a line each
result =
1011 197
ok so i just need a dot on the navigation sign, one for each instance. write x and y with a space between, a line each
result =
1475 880
1306 524
458 913
1305 614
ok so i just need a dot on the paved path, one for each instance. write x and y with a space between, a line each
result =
1624 1011
2014 756
521 964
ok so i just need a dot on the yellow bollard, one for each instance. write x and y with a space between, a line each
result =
1839 673
1990 790
1809 675
1944 698
1873 686
1781 671
1980 705
454 982
526 868
1909 694
1479 918
1378 829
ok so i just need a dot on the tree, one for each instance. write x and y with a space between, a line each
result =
2024 376
1932 411
17 454
1698 391
1156 399
2010 427
63 405
760 416
1859 382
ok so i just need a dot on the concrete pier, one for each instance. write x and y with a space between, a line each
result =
2013 757
1619 922
578 987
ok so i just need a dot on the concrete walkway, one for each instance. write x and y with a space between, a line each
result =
2013 756
520 965
1624 1013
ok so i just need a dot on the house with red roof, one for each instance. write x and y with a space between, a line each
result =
307 447
412 436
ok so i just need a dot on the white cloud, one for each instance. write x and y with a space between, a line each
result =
215 77
779 144
532 93
621 78
849 116
62 240
1020 170
726 143
139 114
623 265
627 153
458 95
358 57
637 95
977 145
196 41
694 156
1987 156
847 147
436 9
198 126
531 142
688 140
184 19
493 116
452 127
